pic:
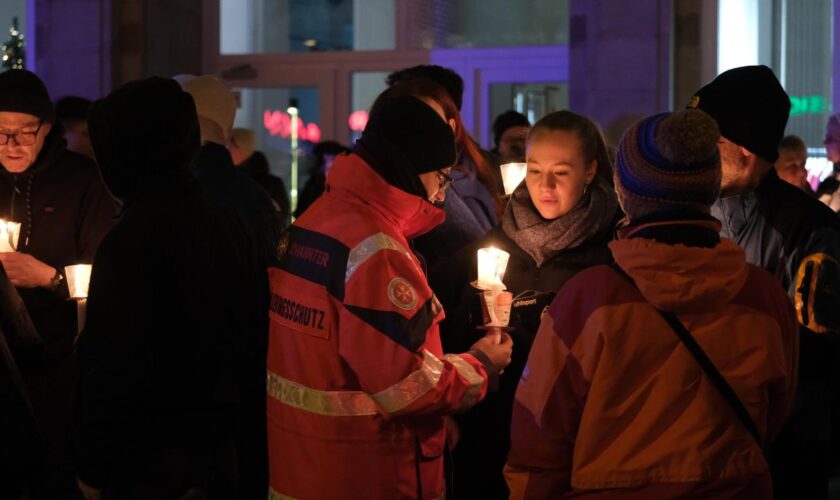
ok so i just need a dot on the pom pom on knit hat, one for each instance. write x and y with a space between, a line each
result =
669 162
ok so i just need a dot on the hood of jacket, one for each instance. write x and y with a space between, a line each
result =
144 136
681 278
355 181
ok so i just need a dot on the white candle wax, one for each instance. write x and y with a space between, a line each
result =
512 175
78 279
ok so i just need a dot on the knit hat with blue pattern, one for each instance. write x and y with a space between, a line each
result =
669 163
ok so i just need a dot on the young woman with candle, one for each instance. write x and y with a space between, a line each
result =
557 223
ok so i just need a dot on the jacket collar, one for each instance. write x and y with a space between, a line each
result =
353 180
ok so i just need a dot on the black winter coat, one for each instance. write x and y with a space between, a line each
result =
485 429
163 357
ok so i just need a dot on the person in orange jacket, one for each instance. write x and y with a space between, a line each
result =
612 403
358 385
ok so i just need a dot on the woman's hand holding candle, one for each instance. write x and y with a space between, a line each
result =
499 354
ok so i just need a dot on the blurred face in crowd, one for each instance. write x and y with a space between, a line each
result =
832 149
558 172
791 166
27 133
236 154
78 138
512 143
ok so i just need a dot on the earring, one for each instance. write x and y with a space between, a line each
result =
585 188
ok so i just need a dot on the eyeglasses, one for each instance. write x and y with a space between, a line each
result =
21 138
445 179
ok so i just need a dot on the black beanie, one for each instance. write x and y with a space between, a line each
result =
22 91
506 120
415 129
750 107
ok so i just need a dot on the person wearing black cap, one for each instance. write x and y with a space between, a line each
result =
64 210
358 384
509 132
795 238
71 111
162 385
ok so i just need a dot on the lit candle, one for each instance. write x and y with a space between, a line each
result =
9 233
492 263
78 279
512 175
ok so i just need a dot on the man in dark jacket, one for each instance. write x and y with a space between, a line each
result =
232 189
158 386
64 211
797 239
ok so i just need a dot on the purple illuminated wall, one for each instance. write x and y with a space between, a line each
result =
71 42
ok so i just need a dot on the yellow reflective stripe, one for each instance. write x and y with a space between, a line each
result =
358 403
329 403
473 378
817 259
413 387
274 495
367 248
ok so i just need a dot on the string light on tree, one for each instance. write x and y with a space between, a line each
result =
13 53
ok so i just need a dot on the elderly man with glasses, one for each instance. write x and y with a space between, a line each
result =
64 211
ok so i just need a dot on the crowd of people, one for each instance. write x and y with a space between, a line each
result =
674 316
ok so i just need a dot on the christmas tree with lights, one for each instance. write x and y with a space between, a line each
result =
13 54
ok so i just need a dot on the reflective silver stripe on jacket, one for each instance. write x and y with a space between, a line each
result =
368 247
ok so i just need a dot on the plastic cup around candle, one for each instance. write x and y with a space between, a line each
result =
78 279
512 175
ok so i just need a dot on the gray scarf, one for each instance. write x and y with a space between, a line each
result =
541 238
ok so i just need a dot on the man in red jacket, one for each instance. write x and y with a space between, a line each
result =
358 385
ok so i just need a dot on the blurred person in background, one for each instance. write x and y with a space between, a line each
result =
829 193
243 150
232 189
71 112
324 154
510 129
790 167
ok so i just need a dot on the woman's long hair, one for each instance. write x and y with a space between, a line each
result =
425 88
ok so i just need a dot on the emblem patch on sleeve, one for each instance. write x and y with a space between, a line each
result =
402 294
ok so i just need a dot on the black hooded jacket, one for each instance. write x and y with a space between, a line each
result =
161 359
64 211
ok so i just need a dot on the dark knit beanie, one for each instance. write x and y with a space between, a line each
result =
506 120
750 107
668 163
425 141
22 91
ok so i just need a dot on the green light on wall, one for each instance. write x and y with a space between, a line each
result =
808 105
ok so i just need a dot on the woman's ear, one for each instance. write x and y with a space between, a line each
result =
591 170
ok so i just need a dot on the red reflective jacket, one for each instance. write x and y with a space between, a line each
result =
357 381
